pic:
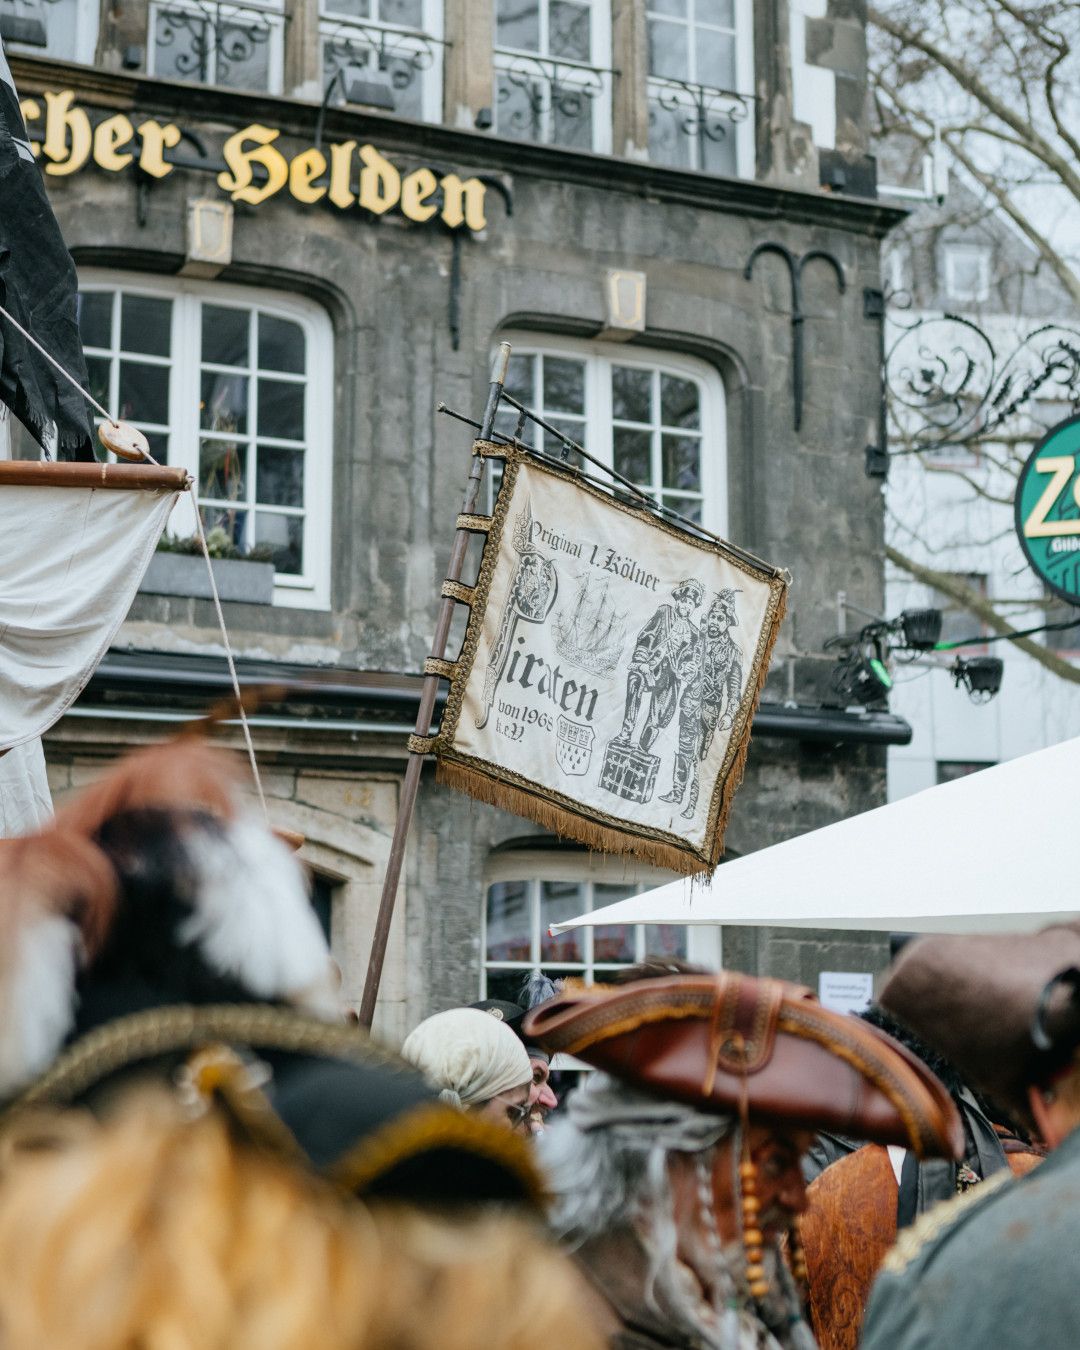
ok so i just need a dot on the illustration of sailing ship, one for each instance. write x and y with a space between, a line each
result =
590 632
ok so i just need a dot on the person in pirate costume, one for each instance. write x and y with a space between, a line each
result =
710 697
862 1195
676 1169
162 976
536 988
996 1267
666 653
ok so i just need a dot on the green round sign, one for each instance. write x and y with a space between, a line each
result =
1048 509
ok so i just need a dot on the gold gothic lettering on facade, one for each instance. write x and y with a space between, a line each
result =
256 168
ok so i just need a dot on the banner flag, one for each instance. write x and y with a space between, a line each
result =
610 670
39 288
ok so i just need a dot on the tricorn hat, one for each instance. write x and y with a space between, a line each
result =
1001 1007
712 1041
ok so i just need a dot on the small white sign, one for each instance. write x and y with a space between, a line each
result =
845 991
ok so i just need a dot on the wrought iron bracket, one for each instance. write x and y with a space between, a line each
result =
795 264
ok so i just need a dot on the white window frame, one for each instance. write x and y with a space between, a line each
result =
599 357
532 867
87 18
743 130
311 590
599 60
333 25
268 12
980 255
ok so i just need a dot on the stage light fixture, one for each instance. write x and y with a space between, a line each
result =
981 676
921 628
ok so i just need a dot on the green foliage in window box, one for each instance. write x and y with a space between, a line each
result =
218 545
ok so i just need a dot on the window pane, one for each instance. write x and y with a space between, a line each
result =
718 152
350 9
224 402
159 445
679 405
145 321
279 478
715 58
518 24
181 46
520 379
98 367
505 984
682 462
281 345
281 410
569 30
518 108
675 8
665 939
283 538
719 12
564 385
613 942
229 521
144 392
243 56
225 335
572 117
631 394
668 50
508 922
95 318
554 447
690 507
221 471
669 142
561 900
407 13
633 455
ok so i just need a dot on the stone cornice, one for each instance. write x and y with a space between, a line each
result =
475 151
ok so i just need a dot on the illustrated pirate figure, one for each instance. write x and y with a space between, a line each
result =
711 692
665 653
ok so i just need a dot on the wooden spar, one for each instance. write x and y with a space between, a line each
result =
38 473
411 782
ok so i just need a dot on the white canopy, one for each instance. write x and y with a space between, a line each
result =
989 852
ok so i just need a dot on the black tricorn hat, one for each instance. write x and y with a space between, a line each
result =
322 1095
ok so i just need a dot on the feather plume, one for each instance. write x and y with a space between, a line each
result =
187 774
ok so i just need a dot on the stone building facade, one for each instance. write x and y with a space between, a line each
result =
407 184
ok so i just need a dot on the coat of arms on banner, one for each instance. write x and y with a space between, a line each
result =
610 670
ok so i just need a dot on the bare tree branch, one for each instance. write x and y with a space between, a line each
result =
948 583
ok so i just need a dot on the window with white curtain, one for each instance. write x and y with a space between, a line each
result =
384 53
552 76
235 386
700 85
66 30
238 46
657 418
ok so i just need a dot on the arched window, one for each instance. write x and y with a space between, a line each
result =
655 417
235 386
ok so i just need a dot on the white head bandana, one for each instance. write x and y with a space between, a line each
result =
468 1054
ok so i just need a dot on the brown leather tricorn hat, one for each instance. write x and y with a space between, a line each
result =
977 999
705 1039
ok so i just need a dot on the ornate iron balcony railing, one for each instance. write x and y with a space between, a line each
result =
403 55
547 99
699 110
214 41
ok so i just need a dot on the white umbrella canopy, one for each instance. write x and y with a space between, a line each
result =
991 852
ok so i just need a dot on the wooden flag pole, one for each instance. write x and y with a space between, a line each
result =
411 783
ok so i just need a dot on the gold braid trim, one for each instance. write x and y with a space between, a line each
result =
159 1031
945 1215
457 590
920 1131
473 523
423 1129
436 665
